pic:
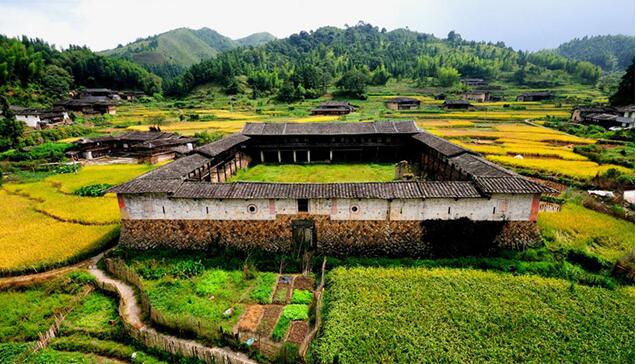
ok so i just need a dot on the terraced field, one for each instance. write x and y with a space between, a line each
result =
44 223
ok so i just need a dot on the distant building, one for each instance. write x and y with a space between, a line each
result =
473 81
130 95
333 108
477 95
626 111
535 96
41 118
605 116
99 92
147 147
457 104
402 103
90 105
580 114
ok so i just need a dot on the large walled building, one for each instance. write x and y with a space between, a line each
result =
453 194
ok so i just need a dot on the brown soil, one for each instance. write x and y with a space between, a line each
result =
250 319
302 282
282 293
297 332
269 319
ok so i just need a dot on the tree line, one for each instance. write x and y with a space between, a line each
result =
304 65
32 70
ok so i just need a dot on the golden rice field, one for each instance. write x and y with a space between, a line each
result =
497 114
52 224
30 239
444 123
577 227
89 175
67 207
541 149
558 167
191 127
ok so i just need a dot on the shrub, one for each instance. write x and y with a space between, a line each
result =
96 190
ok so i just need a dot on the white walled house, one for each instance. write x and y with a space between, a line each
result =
187 203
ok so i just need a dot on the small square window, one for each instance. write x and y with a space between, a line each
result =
303 205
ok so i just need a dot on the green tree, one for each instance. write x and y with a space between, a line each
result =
625 93
11 130
447 76
380 76
56 81
353 83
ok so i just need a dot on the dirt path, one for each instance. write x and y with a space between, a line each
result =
17 281
130 312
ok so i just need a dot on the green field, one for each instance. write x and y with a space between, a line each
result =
317 173
383 315
91 332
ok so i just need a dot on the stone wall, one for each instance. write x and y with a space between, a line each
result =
333 237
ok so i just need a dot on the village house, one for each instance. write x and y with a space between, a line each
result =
333 108
140 147
535 96
457 104
473 82
477 95
455 193
99 92
402 103
614 118
41 118
90 105
130 95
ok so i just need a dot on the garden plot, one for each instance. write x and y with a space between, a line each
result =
268 326
200 296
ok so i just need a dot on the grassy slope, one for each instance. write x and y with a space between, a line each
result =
578 227
320 173
446 315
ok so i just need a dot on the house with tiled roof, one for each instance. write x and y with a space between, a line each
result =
188 204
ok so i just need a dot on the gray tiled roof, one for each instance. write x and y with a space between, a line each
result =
177 169
342 128
220 146
144 185
388 190
516 184
478 167
441 145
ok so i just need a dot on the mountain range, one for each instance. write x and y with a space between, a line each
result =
170 52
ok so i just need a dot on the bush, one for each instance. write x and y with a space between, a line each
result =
96 190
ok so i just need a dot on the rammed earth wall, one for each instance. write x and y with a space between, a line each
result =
333 237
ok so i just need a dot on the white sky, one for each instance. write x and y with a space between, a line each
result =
102 24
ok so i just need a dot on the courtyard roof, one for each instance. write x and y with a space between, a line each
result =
337 128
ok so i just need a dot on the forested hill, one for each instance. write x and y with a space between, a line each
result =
610 52
34 72
169 54
308 62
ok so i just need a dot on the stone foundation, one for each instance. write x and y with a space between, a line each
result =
428 238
